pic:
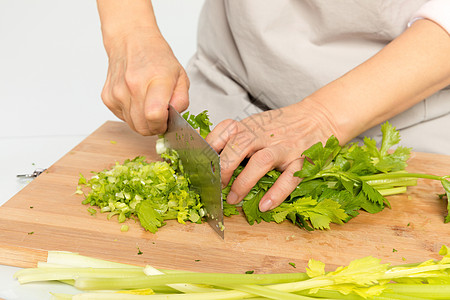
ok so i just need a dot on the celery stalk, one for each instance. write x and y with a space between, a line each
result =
205 278
400 175
267 292
396 296
428 291
227 295
43 274
392 191
182 287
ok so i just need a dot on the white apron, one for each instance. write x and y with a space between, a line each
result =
255 55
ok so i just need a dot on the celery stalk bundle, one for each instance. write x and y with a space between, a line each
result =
364 278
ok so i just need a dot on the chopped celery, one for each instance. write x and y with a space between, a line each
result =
152 191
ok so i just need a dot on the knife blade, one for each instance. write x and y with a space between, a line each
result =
201 163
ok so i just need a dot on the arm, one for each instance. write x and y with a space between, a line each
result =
412 67
143 74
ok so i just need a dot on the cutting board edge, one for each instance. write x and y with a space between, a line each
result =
21 257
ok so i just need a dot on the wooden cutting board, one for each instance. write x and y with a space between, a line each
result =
47 215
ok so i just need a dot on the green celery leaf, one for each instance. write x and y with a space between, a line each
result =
373 195
312 188
203 122
363 272
318 221
391 137
150 219
282 212
350 204
200 121
360 161
315 268
318 157
371 147
229 209
367 205
251 208
320 214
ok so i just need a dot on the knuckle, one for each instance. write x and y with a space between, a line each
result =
140 129
288 184
119 93
230 126
244 139
133 81
166 80
106 98
264 157
154 116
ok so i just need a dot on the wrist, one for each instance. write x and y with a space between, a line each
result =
318 113
124 18
129 38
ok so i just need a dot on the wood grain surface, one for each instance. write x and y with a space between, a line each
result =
47 215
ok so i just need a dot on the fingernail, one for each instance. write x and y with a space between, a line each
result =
232 198
265 205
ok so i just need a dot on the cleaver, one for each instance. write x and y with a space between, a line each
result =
201 163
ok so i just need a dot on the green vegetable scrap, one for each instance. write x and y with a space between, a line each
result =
200 121
363 278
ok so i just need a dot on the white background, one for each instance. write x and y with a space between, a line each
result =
53 64
52 69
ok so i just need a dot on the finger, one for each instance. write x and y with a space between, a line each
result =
282 188
241 145
259 164
118 100
159 93
114 108
108 99
222 133
180 96
137 116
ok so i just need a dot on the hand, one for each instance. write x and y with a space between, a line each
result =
143 78
273 139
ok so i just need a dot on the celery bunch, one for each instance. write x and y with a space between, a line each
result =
338 182
364 278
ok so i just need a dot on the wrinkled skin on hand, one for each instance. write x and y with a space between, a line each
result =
273 139
143 78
